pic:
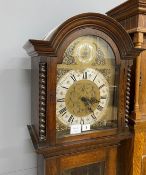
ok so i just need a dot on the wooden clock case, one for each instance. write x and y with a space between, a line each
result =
132 16
58 155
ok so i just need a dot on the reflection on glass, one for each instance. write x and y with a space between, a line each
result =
93 169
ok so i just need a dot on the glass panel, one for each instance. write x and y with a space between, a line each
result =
93 169
86 87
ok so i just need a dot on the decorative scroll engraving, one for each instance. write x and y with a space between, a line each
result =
107 73
128 94
60 73
68 55
104 124
42 100
100 60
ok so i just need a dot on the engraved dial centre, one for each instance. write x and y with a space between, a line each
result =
82 98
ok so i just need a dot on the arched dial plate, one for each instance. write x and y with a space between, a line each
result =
85 92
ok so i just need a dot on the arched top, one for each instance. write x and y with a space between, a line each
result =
77 23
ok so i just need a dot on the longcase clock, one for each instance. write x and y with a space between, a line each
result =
80 96
132 16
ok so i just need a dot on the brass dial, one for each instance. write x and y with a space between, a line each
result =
82 97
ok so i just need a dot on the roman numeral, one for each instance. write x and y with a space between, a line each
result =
85 75
99 108
71 119
64 87
61 100
73 78
93 116
81 121
94 78
63 111
102 86
103 97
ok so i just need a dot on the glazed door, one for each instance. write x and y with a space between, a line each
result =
93 169
101 161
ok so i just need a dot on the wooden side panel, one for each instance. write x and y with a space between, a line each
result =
142 99
144 165
51 100
144 156
138 152
130 24
125 157
51 167
35 93
111 164
40 165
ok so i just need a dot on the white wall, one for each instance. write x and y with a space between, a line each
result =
21 20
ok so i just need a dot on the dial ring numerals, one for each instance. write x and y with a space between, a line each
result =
80 94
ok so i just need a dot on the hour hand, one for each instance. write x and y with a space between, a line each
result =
86 100
87 103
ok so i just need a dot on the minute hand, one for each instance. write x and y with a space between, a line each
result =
88 103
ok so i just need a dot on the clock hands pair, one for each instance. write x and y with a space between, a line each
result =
89 102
